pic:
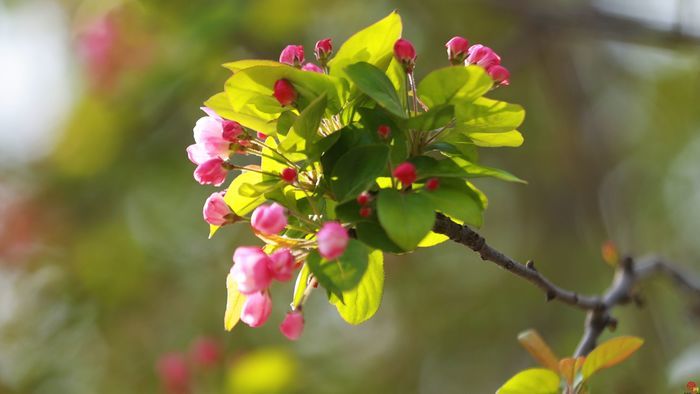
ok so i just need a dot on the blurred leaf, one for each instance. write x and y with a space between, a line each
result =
265 371
608 251
301 284
538 349
406 217
610 353
361 303
512 139
248 63
343 273
234 303
357 170
532 381
445 84
375 84
373 44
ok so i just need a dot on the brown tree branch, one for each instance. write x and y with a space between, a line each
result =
628 274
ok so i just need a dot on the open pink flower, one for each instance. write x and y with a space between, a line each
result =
282 264
332 240
269 219
292 55
251 269
216 211
293 325
211 172
256 309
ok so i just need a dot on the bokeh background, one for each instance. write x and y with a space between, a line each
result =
105 266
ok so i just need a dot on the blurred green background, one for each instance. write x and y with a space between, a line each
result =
105 264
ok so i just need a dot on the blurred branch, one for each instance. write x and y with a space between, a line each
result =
627 275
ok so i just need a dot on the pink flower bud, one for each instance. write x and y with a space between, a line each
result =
499 74
269 219
216 211
313 68
364 198
365 212
432 184
262 136
406 173
174 373
283 264
482 56
206 352
211 172
457 49
293 325
256 309
323 50
405 53
231 130
292 55
384 131
289 175
332 240
284 92
251 269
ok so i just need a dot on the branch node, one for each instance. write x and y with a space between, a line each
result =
612 323
530 265
550 295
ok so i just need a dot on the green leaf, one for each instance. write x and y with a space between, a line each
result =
240 204
374 45
432 239
361 303
234 304
532 381
464 83
375 84
257 189
342 274
456 199
428 167
510 139
434 119
307 123
372 234
248 63
610 353
357 169
474 170
406 217
301 284
487 116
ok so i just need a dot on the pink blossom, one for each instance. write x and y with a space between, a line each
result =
332 240
482 56
262 136
457 48
269 219
174 373
251 269
432 184
406 173
206 352
231 130
216 211
284 92
289 175
293 325
283 264
405 53
211 172
499 74
209 134
312 67
256 309
323 49
292 55
364 198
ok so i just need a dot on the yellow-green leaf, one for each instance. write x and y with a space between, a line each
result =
432 239
361 303
234 304
510 139
464 84
532 381
610 353
374 45
248 63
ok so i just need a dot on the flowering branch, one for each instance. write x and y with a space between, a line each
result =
622 290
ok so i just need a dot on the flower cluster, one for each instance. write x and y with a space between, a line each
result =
355 158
